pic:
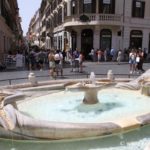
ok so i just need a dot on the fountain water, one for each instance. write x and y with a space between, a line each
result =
53 115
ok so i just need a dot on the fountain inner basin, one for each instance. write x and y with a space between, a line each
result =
63 106
90 90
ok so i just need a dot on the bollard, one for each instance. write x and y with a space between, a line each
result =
110 75
32 79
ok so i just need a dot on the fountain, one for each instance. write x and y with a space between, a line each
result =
53 116
90 88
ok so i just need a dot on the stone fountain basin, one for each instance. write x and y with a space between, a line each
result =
90 90
26 127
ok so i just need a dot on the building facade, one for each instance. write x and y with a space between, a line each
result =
34 30
10 27
98 24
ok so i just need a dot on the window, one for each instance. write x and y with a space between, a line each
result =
73 7
65 9
60 16
55 19
87 6
107 6
138 9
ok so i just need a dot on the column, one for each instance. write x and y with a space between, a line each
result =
126 38
57 41
96 38
79 39
69 8
97 6
145 39
63 46
63 14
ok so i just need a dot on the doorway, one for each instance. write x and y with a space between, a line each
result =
136 39
86 42
105 39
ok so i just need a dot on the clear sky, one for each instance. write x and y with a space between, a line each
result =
27 9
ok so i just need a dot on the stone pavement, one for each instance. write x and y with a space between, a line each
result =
12 77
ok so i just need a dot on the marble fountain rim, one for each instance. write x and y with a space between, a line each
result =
76 130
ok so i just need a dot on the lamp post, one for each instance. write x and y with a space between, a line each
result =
123 20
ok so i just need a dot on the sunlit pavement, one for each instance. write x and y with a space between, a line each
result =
100 68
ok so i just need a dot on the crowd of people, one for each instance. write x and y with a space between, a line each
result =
39 59
135 57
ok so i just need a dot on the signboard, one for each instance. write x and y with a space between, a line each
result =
106 36
138 4
136 36
87 1
106 1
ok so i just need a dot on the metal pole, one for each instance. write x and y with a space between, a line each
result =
123 20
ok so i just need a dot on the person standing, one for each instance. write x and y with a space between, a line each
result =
132 61
52 66
41 59
99 55
81 62
119 57
32 60
141 55
19 60
92 54
59 62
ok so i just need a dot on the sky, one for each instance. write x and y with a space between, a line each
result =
27 9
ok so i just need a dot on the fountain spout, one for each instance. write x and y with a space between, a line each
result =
92 78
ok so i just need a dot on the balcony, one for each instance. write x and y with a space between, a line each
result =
94 19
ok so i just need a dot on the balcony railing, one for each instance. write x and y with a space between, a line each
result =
99 18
